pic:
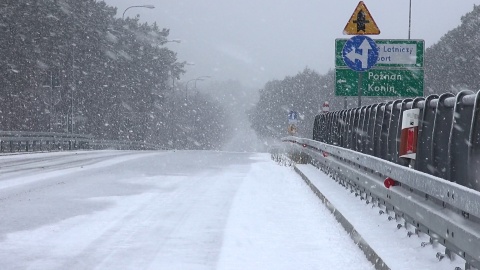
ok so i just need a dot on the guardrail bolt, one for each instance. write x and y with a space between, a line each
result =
424 244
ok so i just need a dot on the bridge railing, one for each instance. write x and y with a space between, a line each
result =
448 143
438 192
448 212
21 141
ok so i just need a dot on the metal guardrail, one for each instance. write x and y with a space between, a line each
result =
20 141
122 145
438 192
448 212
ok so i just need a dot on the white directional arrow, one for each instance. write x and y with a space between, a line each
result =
363 57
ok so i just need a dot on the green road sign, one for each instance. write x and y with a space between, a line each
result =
380 82
398 72
391 53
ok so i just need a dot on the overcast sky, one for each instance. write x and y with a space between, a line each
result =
255 41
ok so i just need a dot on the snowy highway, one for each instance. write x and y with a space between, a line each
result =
164 210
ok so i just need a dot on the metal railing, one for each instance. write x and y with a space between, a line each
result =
448 212
20 141
448 134
438 192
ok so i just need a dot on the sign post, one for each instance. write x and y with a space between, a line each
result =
360 53
292 122
360 79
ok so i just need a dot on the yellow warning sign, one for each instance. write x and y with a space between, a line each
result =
361 22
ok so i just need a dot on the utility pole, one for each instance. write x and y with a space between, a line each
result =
409 18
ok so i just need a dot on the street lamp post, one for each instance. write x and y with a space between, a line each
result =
409 18
201 78
142 6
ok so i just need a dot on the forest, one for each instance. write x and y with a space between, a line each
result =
74 66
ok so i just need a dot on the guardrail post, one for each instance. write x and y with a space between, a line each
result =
458 147
321 129
441 137
377 130
371 110
393 135
424 161
329 123
474 142
361 129
335 128
343 128
348 129
384 134
353 128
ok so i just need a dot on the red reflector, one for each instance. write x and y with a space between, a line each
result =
389 182
410 140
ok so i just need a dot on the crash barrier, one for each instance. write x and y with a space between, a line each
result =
19 141
448 212
447 137
122 145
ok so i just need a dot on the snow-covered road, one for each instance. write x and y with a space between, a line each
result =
164 210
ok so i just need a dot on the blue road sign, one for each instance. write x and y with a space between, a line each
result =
360 53
292 115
